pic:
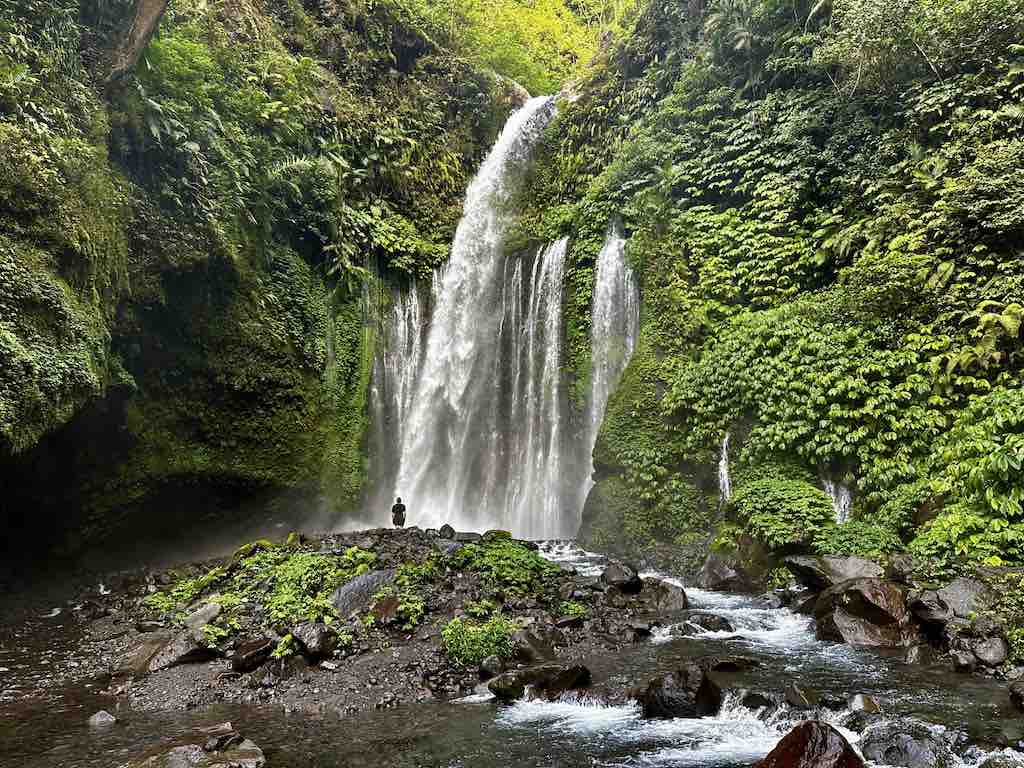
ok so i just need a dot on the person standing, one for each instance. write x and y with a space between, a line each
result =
398 513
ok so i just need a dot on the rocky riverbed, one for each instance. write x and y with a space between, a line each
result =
441 648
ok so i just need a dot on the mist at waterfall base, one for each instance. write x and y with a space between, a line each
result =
472 424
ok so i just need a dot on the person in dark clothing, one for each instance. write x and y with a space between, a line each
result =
398 513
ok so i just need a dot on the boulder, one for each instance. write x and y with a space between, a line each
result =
496 535
966 597
355 595
252 653
907 743
491 666
546 680
1017 694
964 661
721 575
569 622
102 719
698 623
728 663
805 605
688 692
801 697
820 573
812 744
198 619
900 568
244 754
929 608
183 648
315 639
991 651
622 577
537 643
137 662
865 612
921 653
468 537
663 597
446 532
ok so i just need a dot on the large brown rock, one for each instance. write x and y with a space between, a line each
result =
546 680
183 648
722 575
865 612
812 744
688 692
623 577
662 597
819 573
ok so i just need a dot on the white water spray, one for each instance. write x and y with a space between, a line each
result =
724 479
614 328
482 444
842 498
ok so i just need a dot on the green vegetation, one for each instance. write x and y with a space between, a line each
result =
468 643
285 585
507 567
572 608
821 213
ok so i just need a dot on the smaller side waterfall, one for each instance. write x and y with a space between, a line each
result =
614 328
842 498
724 479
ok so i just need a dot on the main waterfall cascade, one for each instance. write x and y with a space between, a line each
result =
471 417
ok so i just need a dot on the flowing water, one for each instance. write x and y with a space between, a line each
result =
614 328
42 724
842 498
724 478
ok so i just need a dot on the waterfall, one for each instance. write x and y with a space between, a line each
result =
724 480
482 442
842 498
614 327
393 384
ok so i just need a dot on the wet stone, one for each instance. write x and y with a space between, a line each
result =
812 744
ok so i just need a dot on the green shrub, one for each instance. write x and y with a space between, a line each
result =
782 513
480 609
468 643
411 606
572 608
507 566
864 538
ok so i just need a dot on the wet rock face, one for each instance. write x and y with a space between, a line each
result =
721 575
183 648
316 640
698 623
547 680
865 612
906 743
821 573
965 597
662 597
623 577
250 654
1017 694
688 692
812 744
538 643
929 608
355 595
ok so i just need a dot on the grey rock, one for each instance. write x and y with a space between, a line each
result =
865 612
468 537
198 619
688 692
446 532
964 661
623 577
966 596
663 597
1007 758
102 719
900 568
490 667
536 643
930 608
1017 694
907 743
698 623
547 680
722 575
355 595
183 648
820 573
991 651
316 640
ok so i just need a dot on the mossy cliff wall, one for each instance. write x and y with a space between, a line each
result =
822 218
182 250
